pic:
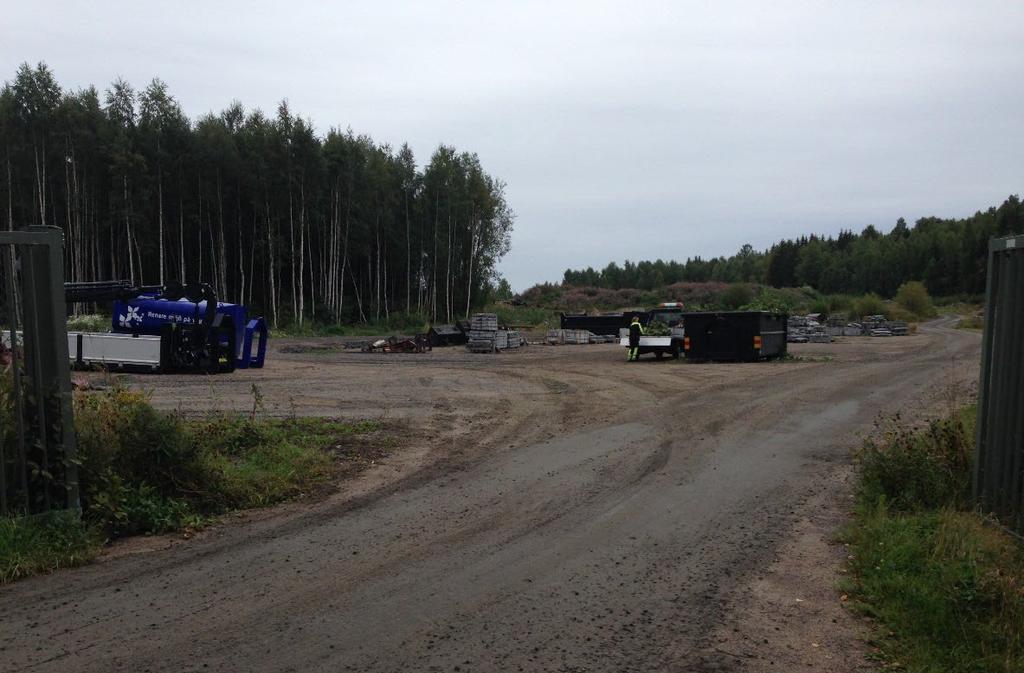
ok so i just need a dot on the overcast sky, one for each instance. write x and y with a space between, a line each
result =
631 130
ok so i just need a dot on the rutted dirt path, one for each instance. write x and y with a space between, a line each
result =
560 511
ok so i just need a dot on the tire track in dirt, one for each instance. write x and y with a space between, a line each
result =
535 546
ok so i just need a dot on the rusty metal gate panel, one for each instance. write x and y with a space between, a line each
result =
38 470
999 464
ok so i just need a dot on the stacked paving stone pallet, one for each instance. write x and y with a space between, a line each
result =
500 340
569 336
483 331
485 337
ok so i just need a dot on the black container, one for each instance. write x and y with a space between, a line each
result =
743 336
601 324
446 335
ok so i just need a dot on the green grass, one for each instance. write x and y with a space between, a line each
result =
89 323
44 543
944 586
264 462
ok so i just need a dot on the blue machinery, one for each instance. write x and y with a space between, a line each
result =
168 329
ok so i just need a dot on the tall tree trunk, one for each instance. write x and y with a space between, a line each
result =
408 256
270 253
472 254
160 207
181 236
291 239
128 227
302 243
40 180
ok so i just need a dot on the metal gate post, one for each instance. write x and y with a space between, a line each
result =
45 273
999 460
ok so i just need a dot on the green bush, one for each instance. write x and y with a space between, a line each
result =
735 296
914 470
146 471
135 463
914 298
869 304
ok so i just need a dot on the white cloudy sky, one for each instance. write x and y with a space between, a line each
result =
623 129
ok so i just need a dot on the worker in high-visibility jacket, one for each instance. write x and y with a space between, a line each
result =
635 330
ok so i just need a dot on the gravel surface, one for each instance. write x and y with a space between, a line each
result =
554 509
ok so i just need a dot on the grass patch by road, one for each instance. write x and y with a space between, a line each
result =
945 587
144 471
39 544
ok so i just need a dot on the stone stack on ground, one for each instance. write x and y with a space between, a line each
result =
501 340
483 331
558 337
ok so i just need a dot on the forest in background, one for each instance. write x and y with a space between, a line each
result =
304 228
948 255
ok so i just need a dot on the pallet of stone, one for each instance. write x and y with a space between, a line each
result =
577 336
500 340
514 340
480 345
484 322
899 328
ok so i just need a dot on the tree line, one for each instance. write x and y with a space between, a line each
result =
335 229
948 255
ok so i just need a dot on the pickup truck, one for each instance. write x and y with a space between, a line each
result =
659 345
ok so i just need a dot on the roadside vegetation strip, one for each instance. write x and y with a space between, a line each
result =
944 586
144 471
44 543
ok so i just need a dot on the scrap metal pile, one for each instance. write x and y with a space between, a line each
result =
418 344
808 328
803 329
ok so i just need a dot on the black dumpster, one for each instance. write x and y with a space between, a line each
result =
743 336
603 323
446 335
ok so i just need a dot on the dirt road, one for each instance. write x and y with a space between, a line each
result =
556 510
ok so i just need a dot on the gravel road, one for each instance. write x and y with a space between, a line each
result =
565 511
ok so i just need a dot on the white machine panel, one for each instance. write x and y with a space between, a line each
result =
102 348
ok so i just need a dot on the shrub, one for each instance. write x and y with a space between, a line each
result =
913 470
146 471
735 296
869 304
914 297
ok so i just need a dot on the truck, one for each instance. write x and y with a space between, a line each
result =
661 346
167 328
603 324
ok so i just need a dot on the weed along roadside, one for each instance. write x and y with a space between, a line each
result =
144 471
941 582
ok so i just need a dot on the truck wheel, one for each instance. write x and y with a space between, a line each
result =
675 352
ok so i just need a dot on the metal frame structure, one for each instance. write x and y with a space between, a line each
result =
999 463
40 473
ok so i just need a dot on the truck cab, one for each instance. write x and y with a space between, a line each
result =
668 313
